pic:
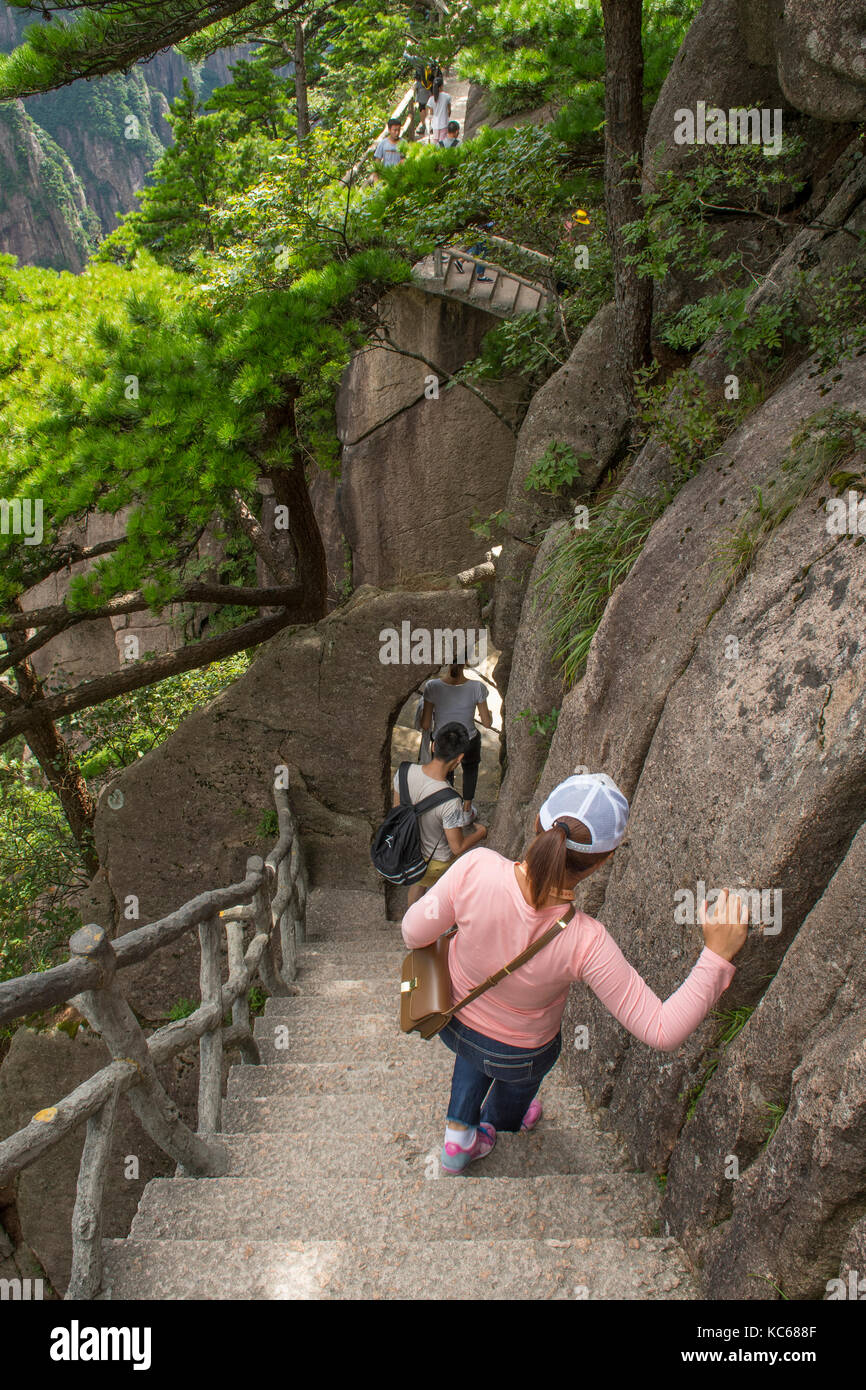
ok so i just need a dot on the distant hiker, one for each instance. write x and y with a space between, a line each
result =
478 248
440 830
388 151
452 136
510 1035
455 697
426 76
439 113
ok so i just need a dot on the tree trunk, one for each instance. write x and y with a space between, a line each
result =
291 491
62 771
624 133
301 101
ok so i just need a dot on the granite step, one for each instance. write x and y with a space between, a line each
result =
386 1108
409 1152
651 1268
380 1209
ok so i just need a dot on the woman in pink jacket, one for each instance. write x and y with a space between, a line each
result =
507 1040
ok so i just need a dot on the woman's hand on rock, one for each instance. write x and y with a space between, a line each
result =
726 924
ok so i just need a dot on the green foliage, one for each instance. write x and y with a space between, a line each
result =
40 864
775 1113
119 731
268 827
541 726
555 470
837 331
679 233
584 568
257 999
827 439
182 1008
733 1021
530 52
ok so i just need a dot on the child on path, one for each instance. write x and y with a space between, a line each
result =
388 151
452 136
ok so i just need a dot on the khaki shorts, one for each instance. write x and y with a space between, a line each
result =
435 870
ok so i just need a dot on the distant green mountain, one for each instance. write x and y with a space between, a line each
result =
72 160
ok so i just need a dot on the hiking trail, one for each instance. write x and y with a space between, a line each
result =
334 1189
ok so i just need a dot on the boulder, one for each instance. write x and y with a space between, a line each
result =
535 689
418 467
822 59
581 406
791 1232
318 700
726 63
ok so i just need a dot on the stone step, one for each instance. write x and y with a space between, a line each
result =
404 1084
649 1268
351 1147
528 300
323 1038
339 1000
373 1209
390 1107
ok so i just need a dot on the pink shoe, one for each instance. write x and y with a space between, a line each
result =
456 1160
532 1116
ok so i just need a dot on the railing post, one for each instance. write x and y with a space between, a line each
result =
86 1276
235 948
286 922
210 1076
437 262
108 1013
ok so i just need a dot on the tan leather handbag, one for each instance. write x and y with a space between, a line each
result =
425 990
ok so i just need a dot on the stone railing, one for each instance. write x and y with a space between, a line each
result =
271 904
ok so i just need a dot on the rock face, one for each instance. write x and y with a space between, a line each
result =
580 406
535 689
728 61
456 452
735 716
318 700
802 1055
822 59
44 218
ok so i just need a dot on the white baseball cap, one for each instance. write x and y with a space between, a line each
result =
596 801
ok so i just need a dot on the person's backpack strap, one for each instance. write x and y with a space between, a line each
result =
403 784
435 799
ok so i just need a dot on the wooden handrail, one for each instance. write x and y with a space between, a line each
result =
89 981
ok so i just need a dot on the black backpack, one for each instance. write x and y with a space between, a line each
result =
396 850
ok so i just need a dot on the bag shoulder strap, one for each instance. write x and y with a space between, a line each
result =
559 926
403 783
435 799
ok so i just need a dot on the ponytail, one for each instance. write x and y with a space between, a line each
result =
548 860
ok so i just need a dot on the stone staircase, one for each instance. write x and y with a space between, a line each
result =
454 273
334 1188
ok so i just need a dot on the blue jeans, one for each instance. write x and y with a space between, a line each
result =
492 1080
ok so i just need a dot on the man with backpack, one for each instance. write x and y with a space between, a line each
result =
427 74
439 826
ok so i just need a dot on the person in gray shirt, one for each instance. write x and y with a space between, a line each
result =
388 150
455 698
